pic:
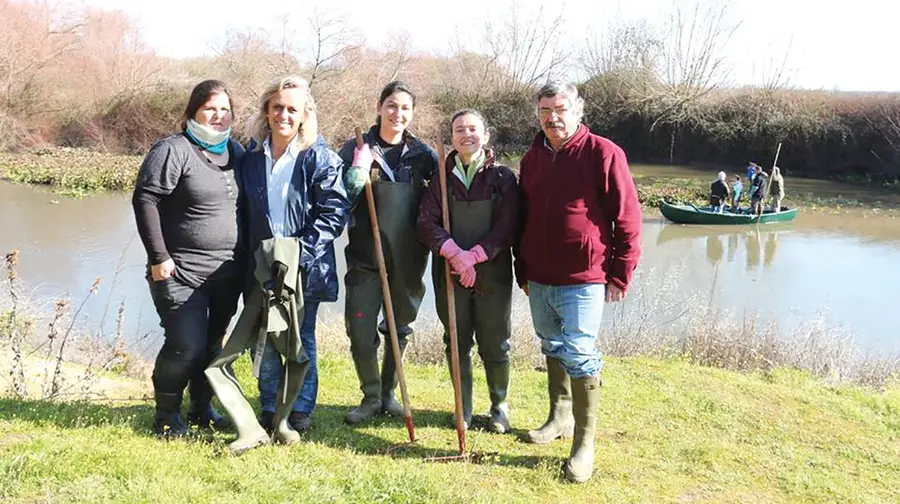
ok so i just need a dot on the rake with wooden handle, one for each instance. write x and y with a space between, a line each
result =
386 294
451 318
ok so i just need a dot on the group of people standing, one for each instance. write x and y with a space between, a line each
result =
761 190
566 231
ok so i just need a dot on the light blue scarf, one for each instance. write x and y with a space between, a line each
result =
212 140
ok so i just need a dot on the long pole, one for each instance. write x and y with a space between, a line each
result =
386 294
451 308
765 195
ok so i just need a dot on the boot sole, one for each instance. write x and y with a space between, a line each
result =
499 428
261 441
362 413
353 420
287 440
571 477
394 413
541 440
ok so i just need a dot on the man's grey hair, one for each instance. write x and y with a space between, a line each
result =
564 89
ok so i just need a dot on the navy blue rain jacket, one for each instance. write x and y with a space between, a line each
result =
317 212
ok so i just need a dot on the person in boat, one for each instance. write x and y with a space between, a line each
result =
758 189
737 190
776 189
751 171
718 193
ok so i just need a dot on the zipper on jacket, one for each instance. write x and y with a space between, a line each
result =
547 207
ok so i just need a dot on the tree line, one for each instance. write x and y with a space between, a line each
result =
83 77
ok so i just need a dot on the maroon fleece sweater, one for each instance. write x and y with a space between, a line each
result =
581 218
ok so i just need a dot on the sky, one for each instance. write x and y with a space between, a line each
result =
846 46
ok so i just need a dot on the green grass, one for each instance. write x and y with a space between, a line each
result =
668 431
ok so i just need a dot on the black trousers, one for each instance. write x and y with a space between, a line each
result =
195 321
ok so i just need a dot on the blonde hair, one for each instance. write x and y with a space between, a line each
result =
258 127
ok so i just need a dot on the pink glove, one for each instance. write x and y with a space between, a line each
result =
362 157
467 278
450 249
468 259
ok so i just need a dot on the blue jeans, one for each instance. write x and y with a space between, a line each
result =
271 367
567 319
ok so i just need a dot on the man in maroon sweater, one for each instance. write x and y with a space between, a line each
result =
580 243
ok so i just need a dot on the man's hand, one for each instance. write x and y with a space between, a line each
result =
614 294
524 288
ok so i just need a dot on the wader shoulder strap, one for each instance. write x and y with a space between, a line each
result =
273 291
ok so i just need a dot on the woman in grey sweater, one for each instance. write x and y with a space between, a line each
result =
186 208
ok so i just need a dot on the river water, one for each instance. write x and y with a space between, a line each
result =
841 269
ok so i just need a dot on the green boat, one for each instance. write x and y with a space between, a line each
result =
692 214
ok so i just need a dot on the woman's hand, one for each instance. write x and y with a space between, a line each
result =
162 271
363 158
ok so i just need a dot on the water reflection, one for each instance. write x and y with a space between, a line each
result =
760 242
786 270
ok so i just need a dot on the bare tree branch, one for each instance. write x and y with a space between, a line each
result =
332 38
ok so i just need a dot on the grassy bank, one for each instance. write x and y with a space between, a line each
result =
78 172
717 408
668 431
74 171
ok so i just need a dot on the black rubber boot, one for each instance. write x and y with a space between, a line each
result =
208 417
168 423
170 376
301 422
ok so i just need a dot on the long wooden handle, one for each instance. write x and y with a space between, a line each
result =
451 307
386 294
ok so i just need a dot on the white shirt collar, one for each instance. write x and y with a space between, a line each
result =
293 148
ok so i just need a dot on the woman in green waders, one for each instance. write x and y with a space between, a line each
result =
483 201
405 165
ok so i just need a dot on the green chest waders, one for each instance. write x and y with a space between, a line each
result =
482 312
273 311
397 206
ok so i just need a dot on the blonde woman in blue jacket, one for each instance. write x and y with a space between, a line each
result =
291 182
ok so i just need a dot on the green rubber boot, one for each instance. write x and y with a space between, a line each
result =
389 403
560 423
465 381
289 388
250 433
585 398
370 384
497 376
